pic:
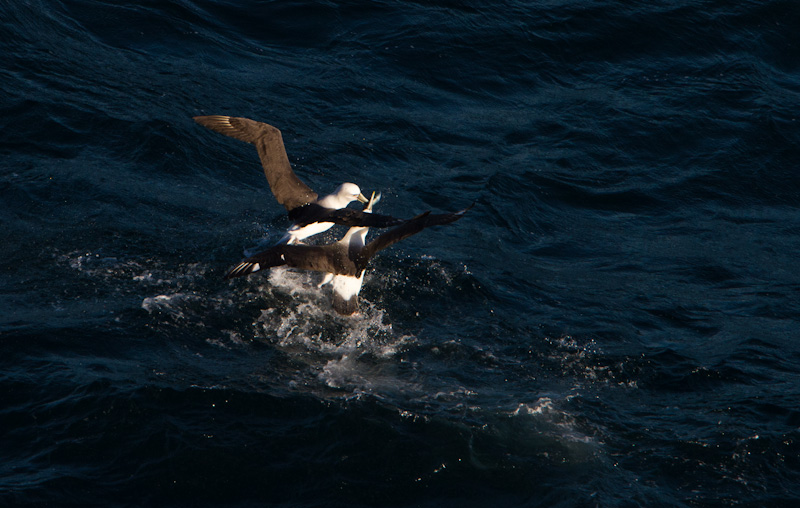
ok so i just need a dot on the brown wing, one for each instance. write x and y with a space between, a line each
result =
319 258
412 227
288 189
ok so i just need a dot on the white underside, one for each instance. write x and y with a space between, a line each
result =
347 286
325 280
295 233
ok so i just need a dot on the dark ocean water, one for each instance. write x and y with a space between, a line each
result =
615 322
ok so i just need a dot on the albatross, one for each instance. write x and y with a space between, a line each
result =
309 213
345 261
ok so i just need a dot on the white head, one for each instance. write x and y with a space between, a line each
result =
345 193
351 192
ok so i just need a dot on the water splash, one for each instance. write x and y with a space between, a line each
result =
351 353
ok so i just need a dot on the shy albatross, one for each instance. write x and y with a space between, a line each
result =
345 261
309 213
347 287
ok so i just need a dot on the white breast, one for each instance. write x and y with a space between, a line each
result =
347 286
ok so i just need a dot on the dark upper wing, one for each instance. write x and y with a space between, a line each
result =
288 189
411 227
320 258
313 212
266 259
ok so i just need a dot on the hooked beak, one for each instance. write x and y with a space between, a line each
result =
372 200
362 198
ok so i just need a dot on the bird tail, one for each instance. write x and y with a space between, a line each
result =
242 269
345 307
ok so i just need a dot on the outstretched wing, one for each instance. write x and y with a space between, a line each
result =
313 212
411 227
288 189
319 258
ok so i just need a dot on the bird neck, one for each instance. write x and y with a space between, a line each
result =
355 237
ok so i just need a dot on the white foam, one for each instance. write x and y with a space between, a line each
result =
167 304
323 331
95 264
580 360
542 406
339 352
548 419
296 283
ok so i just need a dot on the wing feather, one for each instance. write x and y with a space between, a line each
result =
411 227
319 258
288 189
